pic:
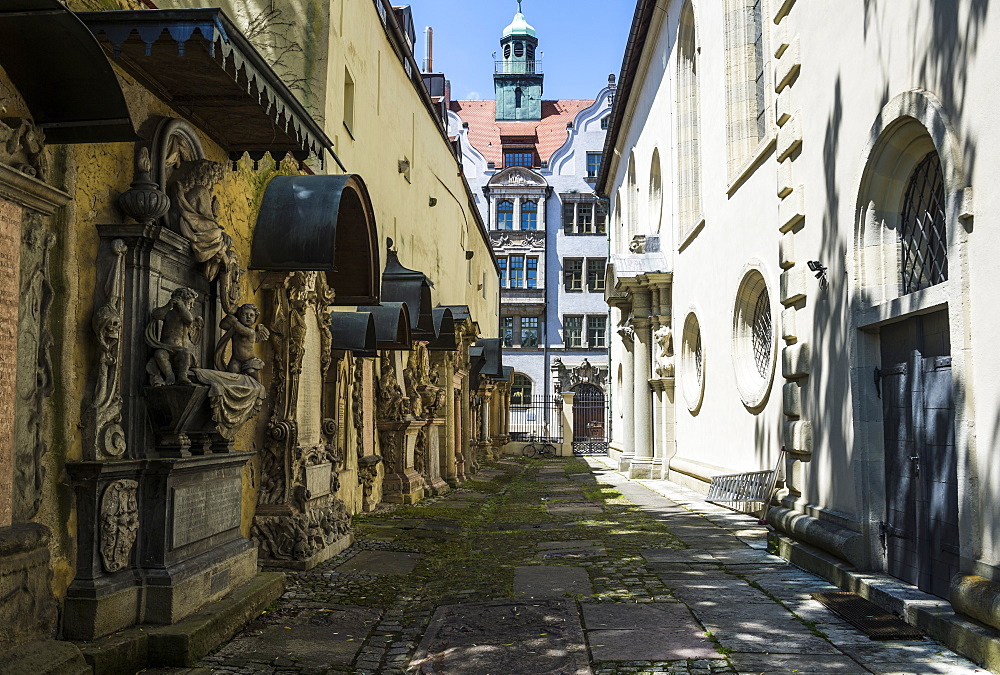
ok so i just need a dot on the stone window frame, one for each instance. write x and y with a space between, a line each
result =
690 218
753 384
579 331
692 368
749 126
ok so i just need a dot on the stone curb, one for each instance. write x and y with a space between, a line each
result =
927 612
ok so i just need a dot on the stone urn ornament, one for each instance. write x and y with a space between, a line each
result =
144 202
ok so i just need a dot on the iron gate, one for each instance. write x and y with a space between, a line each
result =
536 418
590 421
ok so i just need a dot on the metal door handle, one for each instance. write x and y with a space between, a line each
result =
914 458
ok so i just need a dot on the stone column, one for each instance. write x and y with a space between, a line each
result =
625 405
642 461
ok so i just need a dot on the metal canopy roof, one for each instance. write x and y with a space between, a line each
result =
202 65
353 332
493 353
392 324
61 71
401 284
320 223
444 331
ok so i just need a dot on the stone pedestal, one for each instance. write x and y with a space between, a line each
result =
436 484
402 483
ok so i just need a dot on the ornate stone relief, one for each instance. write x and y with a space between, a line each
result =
22 147
35 343
392 403
357 406
119 524
585 373
105 438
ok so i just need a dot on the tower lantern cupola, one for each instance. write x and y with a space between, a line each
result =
518 74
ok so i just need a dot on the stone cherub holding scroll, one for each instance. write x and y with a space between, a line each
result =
174 334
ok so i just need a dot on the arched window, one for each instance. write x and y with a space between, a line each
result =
519 49
520 390
746 77
505 215
506 51
529 215
631 194
655 193
922 236
518 96
688 126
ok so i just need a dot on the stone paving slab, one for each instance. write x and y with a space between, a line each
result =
551 581
488 474
800 664
568 544
455 504
515 638
668 643
669 555
313 638
380 563
573 553
575 509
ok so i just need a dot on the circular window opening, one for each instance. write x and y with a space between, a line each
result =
753 339
506 51
518 49
692 363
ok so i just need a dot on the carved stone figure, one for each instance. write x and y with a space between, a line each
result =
391 401
585 373
119 524
663 337
174 334
194 212
627 333
22 147
357 405
242 332
103 418
367 473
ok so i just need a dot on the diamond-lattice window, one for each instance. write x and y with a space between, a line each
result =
923 236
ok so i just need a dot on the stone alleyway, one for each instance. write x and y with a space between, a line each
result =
561 566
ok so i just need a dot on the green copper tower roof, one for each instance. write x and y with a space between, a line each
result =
519 26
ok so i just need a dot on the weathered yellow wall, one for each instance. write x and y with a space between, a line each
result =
391 124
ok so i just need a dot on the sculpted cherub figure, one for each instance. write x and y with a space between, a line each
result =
174 334
242 332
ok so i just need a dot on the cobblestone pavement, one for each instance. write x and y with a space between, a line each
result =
560 566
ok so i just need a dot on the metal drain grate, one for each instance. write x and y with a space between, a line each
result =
871 619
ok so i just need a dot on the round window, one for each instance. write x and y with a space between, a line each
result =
692 363
753 339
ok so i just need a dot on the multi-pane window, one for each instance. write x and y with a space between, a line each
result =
520 390
529 215
507 330
606 122
503 272
583 217
573 331
516 271
597 331
518 159
593 164
760 74
923 234
595 274
532 272
573 274
746 81
505 215
529 331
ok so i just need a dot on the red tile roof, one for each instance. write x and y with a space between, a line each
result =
485 132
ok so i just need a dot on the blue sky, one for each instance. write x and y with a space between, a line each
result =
582 40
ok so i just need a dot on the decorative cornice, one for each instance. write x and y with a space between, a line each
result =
30 192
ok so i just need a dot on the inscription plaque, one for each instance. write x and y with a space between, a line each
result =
318 480
10 265
309 412
206 509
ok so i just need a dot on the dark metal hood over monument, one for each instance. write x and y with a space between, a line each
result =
214 77
400 284
444 331
62 73
353 332
392 324
493 353
320 223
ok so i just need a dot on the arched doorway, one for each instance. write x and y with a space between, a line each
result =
589 421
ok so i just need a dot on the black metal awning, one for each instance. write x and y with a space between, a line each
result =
203 66
320 223
401 284
61 71
508 374
353 332
444 331
392 324
459 312
493 353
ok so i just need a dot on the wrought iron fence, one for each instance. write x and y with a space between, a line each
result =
536 418
590 421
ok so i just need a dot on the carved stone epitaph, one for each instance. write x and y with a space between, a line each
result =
10 263
119 524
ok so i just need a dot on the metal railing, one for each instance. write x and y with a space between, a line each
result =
518 67
536 418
